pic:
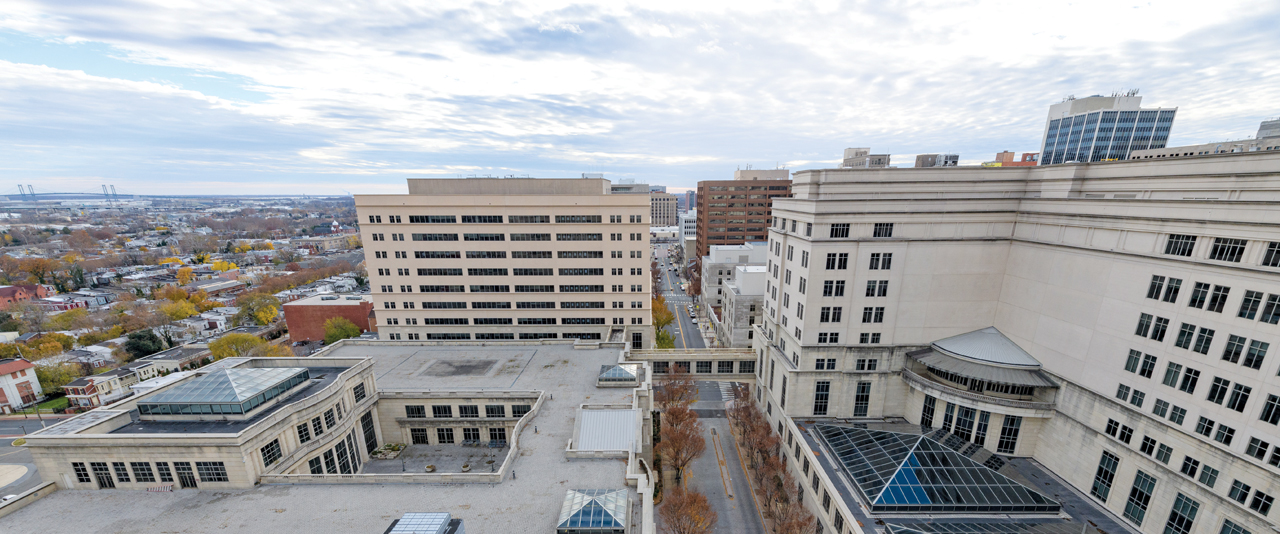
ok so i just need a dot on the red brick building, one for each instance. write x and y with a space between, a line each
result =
733 212
21 293
305 317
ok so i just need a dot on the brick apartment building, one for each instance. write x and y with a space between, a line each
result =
306 317
737 211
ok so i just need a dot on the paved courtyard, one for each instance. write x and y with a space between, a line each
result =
446 458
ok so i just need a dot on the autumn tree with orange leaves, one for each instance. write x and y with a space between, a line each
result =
686 512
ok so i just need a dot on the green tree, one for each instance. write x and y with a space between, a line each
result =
143 343
257 308
8 323
53 377
339 328
664 340
235 345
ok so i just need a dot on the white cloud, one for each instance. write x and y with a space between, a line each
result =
666 88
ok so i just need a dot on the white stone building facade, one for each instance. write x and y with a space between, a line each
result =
1165 398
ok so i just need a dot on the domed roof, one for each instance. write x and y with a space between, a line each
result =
987 346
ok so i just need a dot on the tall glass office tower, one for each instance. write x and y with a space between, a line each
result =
1103 128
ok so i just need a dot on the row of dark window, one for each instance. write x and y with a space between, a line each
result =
143 473
497 219
439 411
491 321
494 336
704 367
1223 249
1215 299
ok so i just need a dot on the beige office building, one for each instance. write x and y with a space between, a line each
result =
665 208
1111 321
509 260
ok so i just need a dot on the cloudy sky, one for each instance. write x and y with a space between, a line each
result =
256 96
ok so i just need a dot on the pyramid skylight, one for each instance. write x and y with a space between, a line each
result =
593 510
898 472
225 391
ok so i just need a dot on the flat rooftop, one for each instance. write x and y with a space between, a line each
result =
342 300
530 502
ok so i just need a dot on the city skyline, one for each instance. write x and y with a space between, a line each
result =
261 100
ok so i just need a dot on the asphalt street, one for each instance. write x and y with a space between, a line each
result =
682 329
20 427
718 473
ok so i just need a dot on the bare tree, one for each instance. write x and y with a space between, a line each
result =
682 441
687 512
677 388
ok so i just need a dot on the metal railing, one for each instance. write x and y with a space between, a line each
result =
913 378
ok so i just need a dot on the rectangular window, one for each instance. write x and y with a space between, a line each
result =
1105 475
82 473
821 396
1224 249
1122 392
862 399
468 411
1225 435
435 237
304 433
1158 329
1008 442
1239 397
531 237
1135 508
1144 325
980 430
1185 335
1163 453
444 435
122 473
1261 503
441 411
419 436
1148 366
1189 379
1157 285
882 230
1171 291
947 416
926 412
1249 306
1218 391
1171 374
1180 245
1208 476
270 453
1271 312
1257 448
1182 515
839 230
1198 294
1235 346
528 219
1218 299
1257 351
495 410
436 254
1177 415
415 412
212 471
1204 426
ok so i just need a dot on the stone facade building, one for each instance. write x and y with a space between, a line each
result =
509 259
664 209
1110 320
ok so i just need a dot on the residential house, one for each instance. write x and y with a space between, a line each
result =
18 384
